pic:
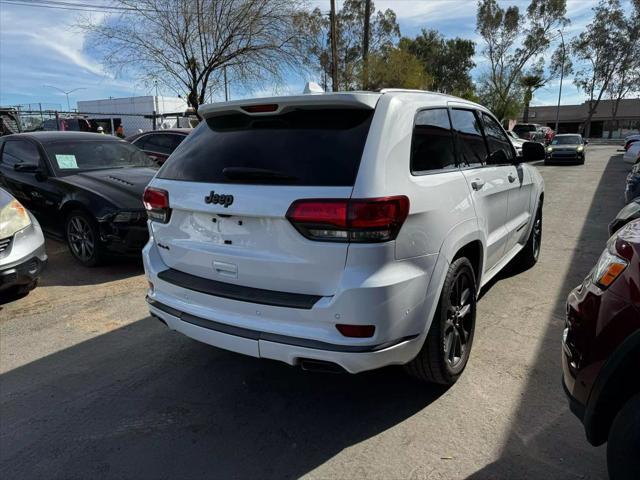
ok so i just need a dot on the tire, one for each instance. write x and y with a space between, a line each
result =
24 289
446 350
83 238
623 447
529 255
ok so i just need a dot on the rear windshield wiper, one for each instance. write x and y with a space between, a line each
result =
250 173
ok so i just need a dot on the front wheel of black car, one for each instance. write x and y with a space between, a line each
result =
446 349
83 238
623 447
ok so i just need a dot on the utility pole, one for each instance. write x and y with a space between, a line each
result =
365 45
334 48
561 78
66 93
226 88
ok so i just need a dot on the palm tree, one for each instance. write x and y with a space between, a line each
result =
531 83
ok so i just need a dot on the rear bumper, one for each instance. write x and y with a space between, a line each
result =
294 334
287 349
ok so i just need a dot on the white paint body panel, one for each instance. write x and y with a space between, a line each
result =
394 285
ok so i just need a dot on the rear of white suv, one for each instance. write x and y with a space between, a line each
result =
305 229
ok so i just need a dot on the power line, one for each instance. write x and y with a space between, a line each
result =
79 7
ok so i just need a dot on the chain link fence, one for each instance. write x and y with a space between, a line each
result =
20 119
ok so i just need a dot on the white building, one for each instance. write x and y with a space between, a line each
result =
135 113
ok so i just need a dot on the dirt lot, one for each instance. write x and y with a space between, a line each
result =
92 387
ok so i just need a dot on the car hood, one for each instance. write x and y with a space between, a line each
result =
565 147
121 186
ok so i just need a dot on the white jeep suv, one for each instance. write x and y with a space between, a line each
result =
340 231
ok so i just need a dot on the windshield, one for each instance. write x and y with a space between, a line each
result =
73 156
567 140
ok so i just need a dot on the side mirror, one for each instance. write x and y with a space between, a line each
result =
532 151
586 141
26 167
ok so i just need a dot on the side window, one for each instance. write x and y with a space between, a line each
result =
160 143
472 148
175 140
20 151
141 142
500 150
432 143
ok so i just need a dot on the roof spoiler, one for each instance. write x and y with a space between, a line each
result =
279 105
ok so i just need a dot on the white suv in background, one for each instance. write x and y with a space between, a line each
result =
340 231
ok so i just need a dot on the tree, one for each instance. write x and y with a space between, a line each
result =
626 79
530 83
447 63
397 68
512 41
384 33
185 44
599 51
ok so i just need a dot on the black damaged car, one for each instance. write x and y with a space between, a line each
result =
85 188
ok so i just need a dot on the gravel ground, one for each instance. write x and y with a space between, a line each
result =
92 387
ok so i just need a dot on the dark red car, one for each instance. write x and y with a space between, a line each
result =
159 144
601 352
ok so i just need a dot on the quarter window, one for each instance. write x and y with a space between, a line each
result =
500 149
20 151
473 150
432 144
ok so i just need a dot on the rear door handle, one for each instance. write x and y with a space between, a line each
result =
477 184
511 178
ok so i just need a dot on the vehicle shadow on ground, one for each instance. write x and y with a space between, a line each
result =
533 447
63 270
143 402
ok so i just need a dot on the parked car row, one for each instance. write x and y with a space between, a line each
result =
601 342
534 132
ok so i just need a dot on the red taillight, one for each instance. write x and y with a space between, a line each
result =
355 220
156 202
356 331
267 107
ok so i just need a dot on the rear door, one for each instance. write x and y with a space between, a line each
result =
488 184
231 183
501 154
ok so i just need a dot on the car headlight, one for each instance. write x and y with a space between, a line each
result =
608 268
580 148
13 218
549 149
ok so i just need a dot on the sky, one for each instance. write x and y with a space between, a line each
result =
40 49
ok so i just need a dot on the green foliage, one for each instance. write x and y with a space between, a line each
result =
397 68
383 35
511 42
447 62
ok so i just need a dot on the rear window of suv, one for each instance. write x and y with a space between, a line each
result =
301 147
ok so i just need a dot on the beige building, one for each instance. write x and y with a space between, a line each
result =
572 118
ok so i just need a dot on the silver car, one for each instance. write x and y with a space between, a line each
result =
22 253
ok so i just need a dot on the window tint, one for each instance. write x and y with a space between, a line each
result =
161 143
473 151
302 147
20 151
69 157
432 143
141 142
500 149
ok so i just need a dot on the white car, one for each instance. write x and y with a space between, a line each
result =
632 155
340 231
22 250
516 141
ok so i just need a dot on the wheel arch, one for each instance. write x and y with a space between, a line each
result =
613 387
